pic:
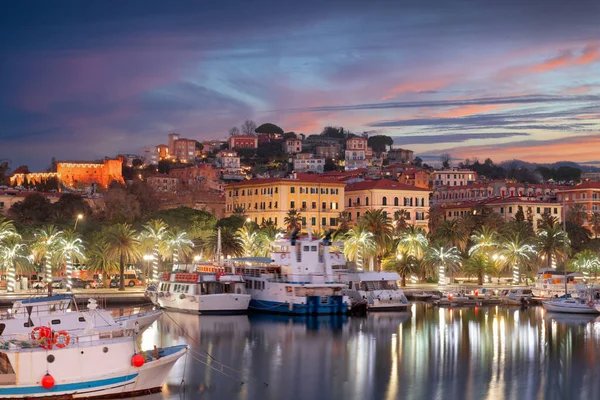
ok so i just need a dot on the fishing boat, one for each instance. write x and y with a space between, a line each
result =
297 279
201 292
59 365
61 313
379 290
515 297
571 306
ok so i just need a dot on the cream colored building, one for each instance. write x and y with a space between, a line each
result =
319 200
390 196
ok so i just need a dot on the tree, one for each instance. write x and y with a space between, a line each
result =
177 244
45 244
35 208
231 244
443 257
68 206
344 219
234 222
399 222
13 257
329 165
484 241
595 223
478 265
234 131
412 241
334 132
249 238
418 162
517 252
577 214
137 163
552 243
4 172
445 159
122 244
154 233
359 246
293 220
120 206
380 225
403 264
586 262
98 259
269 128
248 127
453 232
199 146
68 249
164 166
379 143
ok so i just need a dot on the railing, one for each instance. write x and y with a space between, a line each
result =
17 342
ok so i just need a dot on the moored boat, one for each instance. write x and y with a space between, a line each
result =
379 290
101 365
204 293
571 306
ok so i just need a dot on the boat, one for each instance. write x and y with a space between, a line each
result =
515 297
571 306
201 292
60 365
61 313
379 290
423 296
454 299
297 279
550 283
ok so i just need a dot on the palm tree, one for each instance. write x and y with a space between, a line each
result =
249 238
231 245
98 259
266 235
412 241
13 257
577 214
484 241
454 233
595 223
344 220
45 244
403 264
7 229
177 244
586 261
359 245
478 265
446 258
518 252
154 233
293 220
380 225
70 247
552 242
122 244
399 223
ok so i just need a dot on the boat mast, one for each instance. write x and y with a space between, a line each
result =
565 242
219 251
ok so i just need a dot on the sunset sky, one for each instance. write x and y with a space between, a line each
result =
500 79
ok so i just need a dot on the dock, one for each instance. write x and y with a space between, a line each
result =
105 297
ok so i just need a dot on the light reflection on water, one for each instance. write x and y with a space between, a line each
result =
431 353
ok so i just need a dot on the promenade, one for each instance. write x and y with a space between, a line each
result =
109 297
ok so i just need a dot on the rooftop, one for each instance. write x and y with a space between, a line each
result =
383 184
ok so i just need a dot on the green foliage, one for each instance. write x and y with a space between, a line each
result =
379 143
234 222
35 208
164 166
269 128
194 222
334 132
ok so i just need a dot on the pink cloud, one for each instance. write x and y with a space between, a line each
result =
420 86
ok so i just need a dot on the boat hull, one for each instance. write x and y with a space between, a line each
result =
569 308
123 382
206 304
142 320
314 308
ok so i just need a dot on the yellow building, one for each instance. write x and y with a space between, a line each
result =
390 196
319 200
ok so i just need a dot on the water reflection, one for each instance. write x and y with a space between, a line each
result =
431 353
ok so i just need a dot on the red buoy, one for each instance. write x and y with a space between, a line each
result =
48 382
137 360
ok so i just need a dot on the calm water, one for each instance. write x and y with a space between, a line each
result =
429 353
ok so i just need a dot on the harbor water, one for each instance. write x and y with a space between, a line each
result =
428 353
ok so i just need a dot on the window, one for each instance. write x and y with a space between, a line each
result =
384 201
358 201
333 222
502 210
324 205
292 189
292 204
55 321
367 200
324 221
276 190
314 205
396 202
303 203
303 221
313 221
510 210
349 202
555 210
357 215
275 205
243 192
538 210
333 205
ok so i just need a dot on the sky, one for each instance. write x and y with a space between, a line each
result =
500 79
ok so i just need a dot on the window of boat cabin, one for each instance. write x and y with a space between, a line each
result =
7 373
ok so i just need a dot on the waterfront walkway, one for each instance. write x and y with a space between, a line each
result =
130 296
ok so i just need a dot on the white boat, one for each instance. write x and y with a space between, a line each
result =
454 299
571 306
379 290
550 283
100 365
297 279
423 296
60 312
515 297
204 293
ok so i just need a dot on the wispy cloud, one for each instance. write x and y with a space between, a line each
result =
452 137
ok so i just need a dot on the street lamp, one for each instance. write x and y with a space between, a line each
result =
79 216
148 258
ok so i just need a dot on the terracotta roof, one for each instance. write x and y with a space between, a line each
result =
383 184
585 185
301 178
